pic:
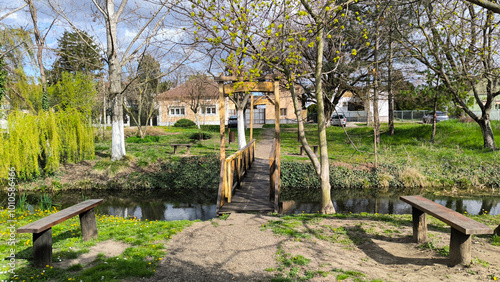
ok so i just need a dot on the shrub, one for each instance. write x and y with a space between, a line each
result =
184 123
146 139
200 136
210 128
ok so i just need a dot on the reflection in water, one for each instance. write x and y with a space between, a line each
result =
161 205
396 206
161 211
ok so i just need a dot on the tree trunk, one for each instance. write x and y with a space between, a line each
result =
434 119
489 140
115 88
197 119
389 86
40 42
117 129
326 199
242 142
376 119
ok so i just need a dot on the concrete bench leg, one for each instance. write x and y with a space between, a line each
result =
419 225
42 248
175 149
302 150
88 225
188 150
460 248
315 150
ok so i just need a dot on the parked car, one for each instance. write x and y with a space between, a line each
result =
232 122
338 120
440 116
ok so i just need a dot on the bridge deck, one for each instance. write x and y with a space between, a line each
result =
253 195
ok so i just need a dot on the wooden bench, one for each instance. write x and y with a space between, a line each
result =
461 227
185 145
42 229
302 151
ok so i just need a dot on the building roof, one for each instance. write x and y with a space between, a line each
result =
185 91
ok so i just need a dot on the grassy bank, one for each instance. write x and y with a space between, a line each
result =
456 161
142 243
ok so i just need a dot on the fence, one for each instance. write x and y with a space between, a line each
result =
411 116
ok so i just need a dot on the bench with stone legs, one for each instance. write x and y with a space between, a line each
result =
180 145
462 227
42 229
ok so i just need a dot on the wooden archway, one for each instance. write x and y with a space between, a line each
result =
232 84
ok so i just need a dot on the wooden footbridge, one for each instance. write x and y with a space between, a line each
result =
246 183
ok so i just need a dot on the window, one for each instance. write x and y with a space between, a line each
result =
497 106
283 112
209 110
232 112
177 111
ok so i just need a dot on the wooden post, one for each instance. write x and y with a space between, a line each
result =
277 124
229 181
42 248
222 120
251 117
460 246
88 225
419 225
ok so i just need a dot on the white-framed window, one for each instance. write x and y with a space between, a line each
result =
497 106
209 110
177 111
231 112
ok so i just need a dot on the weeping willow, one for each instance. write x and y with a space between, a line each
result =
36 144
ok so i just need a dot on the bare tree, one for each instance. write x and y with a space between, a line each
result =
13 11
461 55
201 90
149 25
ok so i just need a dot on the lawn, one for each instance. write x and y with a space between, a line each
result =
143 248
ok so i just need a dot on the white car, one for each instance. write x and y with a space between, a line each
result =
338 120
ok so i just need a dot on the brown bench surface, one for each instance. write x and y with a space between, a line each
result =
58 217
456 220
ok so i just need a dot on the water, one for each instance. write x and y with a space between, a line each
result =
168 205
392 205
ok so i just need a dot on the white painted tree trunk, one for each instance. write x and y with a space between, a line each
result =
242 142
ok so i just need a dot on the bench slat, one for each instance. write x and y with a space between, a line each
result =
58 217
456 220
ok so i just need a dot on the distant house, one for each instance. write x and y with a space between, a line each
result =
174 104
481 89
354 106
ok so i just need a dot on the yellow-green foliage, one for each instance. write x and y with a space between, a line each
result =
36 144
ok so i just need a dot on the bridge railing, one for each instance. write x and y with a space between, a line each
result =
235 167
274 177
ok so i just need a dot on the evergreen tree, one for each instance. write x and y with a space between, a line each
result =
77 52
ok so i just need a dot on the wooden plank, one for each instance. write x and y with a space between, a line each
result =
53 219
454 219
238 87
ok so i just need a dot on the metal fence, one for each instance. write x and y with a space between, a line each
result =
411 116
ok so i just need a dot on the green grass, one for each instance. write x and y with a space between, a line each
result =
140 259
407 159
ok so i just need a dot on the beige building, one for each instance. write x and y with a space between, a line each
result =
177 103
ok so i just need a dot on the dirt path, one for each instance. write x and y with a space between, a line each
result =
359 249
221 250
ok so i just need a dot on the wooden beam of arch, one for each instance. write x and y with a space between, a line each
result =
238 87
